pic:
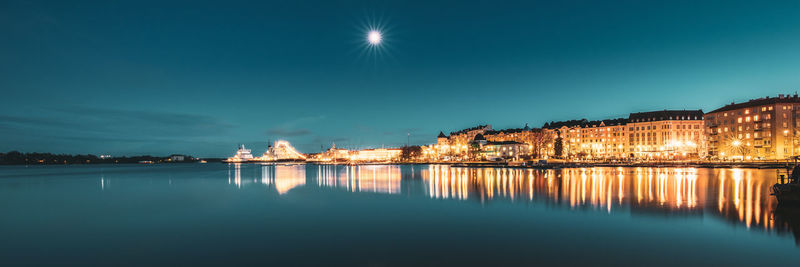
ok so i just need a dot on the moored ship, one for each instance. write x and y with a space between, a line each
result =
788 192
242 155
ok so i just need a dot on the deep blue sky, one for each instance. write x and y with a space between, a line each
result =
197 77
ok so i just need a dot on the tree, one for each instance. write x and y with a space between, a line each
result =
410 153
558 147
538 140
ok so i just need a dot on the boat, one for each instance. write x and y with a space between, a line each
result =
242 155
787 191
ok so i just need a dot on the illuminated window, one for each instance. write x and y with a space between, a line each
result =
739 120
746 111
747 136
763 108
755 118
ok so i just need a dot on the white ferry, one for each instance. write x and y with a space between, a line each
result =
242 155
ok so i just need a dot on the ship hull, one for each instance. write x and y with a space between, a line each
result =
787 194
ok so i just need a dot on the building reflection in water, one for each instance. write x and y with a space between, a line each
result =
739 196
365 178
282 177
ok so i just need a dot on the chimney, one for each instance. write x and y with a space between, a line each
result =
780 96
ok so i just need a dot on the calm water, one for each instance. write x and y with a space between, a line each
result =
217 214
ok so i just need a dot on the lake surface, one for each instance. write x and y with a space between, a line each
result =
383 215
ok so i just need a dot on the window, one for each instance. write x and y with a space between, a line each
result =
739 120
746 111
755 118
763 108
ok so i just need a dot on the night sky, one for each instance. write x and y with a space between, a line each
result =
199 77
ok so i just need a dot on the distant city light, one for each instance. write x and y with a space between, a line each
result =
374 37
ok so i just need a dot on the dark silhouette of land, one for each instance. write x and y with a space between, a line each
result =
19 158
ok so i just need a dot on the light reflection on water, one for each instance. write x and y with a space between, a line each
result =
739 196
404 214
282 177
735 194
367 178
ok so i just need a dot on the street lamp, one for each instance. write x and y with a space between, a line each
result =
736 144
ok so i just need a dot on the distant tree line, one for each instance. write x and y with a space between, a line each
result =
19 158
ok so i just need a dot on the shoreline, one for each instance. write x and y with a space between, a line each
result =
549 165
558 165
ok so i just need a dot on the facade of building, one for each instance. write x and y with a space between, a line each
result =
494 150
376 155
456 146
667 134
482 142
333 154
760 129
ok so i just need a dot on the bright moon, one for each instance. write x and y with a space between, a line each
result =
374 37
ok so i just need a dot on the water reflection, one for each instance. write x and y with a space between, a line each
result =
367 178
282 177
739 196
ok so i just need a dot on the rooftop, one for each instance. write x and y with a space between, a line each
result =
759 102
666 115
479 127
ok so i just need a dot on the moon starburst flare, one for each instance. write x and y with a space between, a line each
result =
374 37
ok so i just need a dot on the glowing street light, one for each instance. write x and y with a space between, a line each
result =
736 143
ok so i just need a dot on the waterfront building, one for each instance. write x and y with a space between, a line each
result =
456 146
376 155
494 150
482 142
177 158
590 139
333 154
667 134
763 128
672 134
